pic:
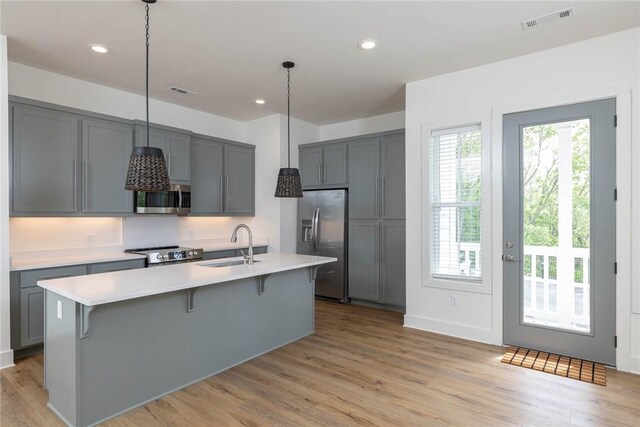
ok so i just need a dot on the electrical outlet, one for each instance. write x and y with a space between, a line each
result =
454 301
191 234
59 311
90 239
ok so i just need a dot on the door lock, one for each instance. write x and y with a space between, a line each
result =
509 245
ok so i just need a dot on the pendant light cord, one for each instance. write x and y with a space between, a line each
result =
146 8
288 118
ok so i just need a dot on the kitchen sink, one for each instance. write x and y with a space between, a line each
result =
217 264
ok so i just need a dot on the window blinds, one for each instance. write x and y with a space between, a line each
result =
456 199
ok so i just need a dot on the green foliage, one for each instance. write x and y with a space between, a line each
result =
541 185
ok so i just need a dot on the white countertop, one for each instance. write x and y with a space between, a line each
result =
62 261
116 286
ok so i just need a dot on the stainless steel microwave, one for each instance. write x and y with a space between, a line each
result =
175 201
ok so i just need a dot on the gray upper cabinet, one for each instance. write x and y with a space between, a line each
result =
207 174
311 167
393 262
239 180
176 148
45 164
323 166
393 177
106 148
335 165
364 179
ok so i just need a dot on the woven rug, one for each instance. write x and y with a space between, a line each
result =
563 366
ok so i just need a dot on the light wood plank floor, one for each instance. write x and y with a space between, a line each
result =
361 367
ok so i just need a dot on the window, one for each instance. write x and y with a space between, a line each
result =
455 195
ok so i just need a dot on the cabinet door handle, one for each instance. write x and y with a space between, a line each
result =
85 183
75 183
382 253
375 197
324 175
320 173
383 194
226 189
375 243
221 192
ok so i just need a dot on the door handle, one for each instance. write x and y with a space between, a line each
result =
319 173
316 215
324 175
179 199
509 258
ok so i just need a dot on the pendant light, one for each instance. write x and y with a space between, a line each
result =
289 184
147 166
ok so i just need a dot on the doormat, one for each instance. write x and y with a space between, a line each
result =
563 366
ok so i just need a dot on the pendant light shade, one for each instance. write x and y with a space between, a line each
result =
147 170
289 184
147 166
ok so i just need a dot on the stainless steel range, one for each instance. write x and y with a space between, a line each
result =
167 254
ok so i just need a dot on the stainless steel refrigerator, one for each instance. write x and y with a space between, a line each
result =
322 220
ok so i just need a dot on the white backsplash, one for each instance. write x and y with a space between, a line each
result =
150 230
44 234
69 235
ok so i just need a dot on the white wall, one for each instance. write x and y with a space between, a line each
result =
42 85
6 354
384 122
597 68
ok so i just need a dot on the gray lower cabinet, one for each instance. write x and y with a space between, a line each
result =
27 298
31 316
107 267
45 163
27 303
364 268
377 261
233 253
207 174
239 180
176 148
393 262
323 166
106 148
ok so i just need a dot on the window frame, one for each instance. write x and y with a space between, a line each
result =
458 283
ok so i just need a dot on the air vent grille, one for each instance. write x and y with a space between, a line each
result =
548 18
181 91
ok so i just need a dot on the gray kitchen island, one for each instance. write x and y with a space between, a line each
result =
117 340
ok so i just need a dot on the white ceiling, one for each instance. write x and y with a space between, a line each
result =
230 53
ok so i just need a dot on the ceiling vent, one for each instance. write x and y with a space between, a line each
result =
548 18
181 91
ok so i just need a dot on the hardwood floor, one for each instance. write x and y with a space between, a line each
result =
360 367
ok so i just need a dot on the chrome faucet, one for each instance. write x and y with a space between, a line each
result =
248 259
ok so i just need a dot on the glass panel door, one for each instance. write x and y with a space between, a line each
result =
559 230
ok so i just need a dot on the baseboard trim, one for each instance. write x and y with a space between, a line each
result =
458 330
6 359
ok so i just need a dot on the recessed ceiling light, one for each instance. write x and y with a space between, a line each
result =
367 44
260 101
98 48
